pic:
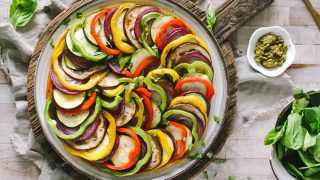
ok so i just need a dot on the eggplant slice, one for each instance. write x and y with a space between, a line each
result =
110 81
93 141
156 152
129 21
81 74
130 110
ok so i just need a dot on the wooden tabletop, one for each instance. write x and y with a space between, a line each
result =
245 153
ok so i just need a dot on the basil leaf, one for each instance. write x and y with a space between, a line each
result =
316 149
211 18
294 136
205 175
311 119
301 100
307 159
309 140
21 11
280 151
275 135
294 171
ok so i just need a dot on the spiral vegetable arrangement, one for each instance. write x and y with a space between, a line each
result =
129 88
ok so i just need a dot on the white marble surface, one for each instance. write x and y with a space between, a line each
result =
245 153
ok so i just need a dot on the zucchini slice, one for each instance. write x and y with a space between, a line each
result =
138 57
99 29
72 120
158 23
70 46
121 156
67 101
80 42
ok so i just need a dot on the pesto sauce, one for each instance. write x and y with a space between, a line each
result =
270 51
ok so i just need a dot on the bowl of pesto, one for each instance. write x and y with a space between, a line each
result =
271 51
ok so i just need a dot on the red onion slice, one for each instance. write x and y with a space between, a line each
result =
120 110
89 132
194 55
107 27
108 158
174 34
200 127
59 86
137 23
114 68
64 129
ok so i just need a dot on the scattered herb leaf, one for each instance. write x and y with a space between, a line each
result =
79 15
215 173
216 119
21 11
66 21
232 178
51 43
202 143
205 175
196 156
219 161
209 154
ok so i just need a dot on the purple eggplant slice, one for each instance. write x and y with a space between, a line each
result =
129 22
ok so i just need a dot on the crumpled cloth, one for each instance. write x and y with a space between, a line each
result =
257 94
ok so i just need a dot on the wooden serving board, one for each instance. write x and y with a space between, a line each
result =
230 16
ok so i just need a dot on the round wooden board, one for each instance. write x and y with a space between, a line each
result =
33 117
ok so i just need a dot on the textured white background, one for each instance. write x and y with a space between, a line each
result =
245 153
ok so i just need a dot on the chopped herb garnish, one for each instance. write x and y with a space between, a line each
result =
249 178
215 173
184 139
79 15
205 175
66 21
202 143
51 43
232 178
219 161
209 154
216 119
196 156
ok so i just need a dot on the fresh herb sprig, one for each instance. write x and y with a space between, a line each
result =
211 17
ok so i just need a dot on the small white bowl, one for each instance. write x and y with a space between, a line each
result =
291 53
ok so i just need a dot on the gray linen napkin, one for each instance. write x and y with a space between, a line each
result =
257 94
